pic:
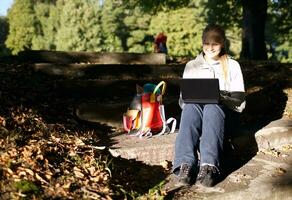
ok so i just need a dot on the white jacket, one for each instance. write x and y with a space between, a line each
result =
200 68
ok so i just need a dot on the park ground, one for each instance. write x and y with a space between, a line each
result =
48 153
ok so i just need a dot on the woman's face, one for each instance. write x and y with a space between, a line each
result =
212 49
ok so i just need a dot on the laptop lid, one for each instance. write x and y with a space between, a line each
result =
200 90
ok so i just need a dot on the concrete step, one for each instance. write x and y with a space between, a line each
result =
157 150
111 114
91 57
111 71
254 74
110 90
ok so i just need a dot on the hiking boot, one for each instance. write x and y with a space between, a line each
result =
184 174
208 175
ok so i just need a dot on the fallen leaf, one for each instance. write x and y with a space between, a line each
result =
2 121
79 142
95 179
38 177
9 171
67 185
22 173
280 171
91 170
287 147
29 171
166 164
78 172
48 176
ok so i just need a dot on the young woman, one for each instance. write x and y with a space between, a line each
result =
202 126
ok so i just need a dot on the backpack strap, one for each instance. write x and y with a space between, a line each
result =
173 121
166 130
152 97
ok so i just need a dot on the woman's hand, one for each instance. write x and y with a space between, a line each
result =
232 100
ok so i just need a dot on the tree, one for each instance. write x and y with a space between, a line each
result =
47 17
254 16
3 29
183 28
253 30
3 35
21 20
155 6
130 25
79 28
114 31
139 39
279 30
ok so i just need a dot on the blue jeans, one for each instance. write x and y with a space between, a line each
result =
201 129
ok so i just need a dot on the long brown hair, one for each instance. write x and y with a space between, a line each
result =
217 33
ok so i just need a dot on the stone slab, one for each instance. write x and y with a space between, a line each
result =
122 71
276 133
42 56
111 114
152 151
156 150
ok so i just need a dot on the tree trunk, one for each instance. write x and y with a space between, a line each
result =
253 31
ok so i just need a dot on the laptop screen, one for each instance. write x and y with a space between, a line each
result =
200 90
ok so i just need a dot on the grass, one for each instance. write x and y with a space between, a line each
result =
27 187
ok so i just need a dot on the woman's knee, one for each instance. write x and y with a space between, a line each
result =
191 115
213 109
192 107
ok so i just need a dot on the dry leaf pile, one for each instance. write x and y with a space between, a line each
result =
57 164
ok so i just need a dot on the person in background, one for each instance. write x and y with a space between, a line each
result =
203 126
160 43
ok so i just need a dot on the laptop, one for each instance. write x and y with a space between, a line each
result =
200 90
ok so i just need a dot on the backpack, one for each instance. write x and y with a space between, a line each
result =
145 116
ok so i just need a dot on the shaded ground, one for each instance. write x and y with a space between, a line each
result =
47 153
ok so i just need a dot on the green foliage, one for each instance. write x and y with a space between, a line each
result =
218 11
156 192
22 21
79 28
154 6
3 36
114 31
131 25
46 25
26 187
183 28
3 29
139 39
233 35
279 31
